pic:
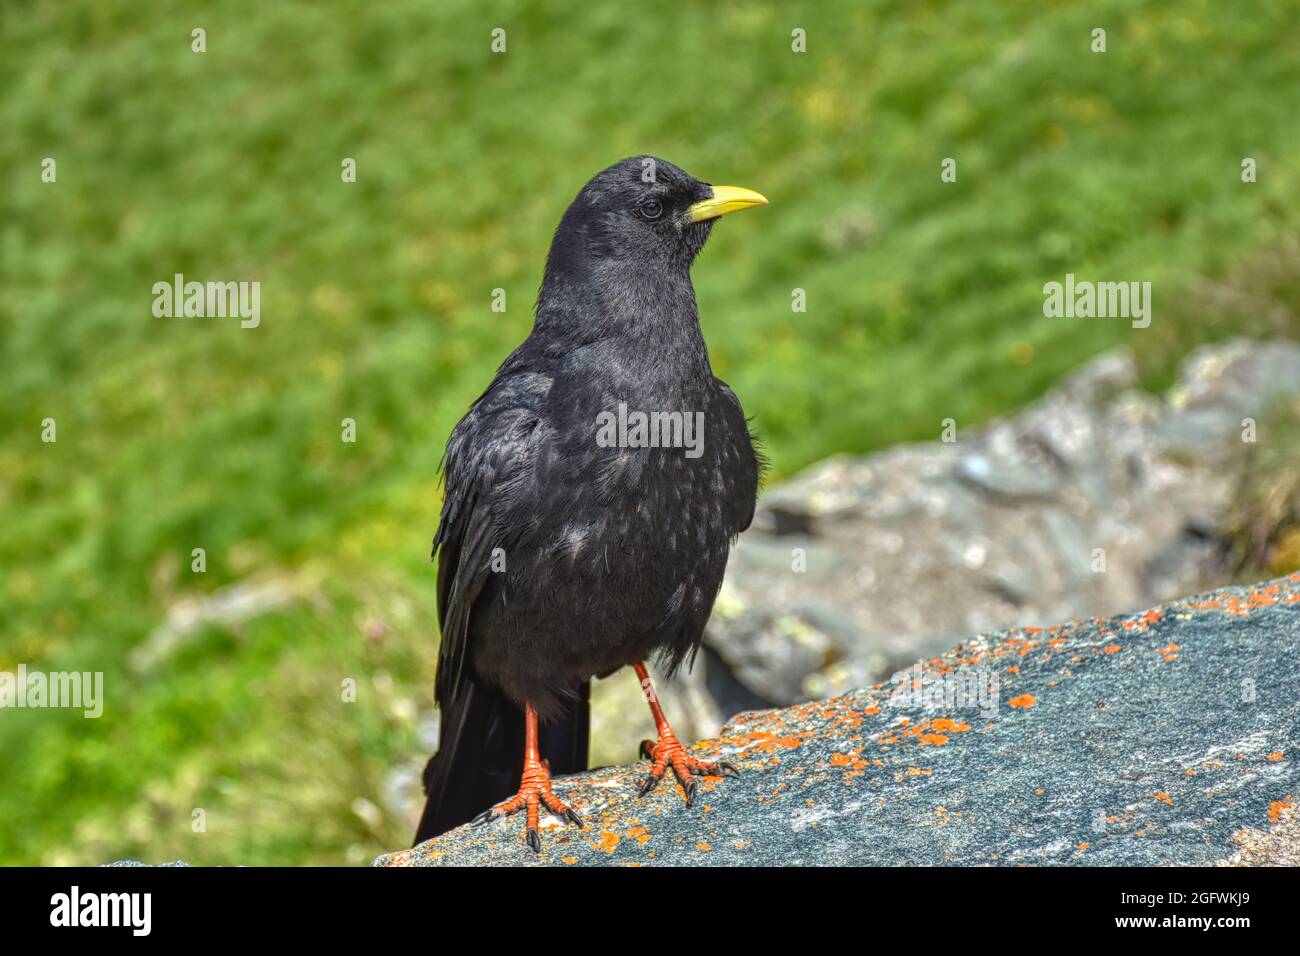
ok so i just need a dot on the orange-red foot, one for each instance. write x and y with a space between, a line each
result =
669 752
534 793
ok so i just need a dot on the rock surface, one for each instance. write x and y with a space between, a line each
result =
1164 737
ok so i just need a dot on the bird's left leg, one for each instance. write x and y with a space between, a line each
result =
534 789
668 750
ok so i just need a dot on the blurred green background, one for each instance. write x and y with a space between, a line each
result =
924 302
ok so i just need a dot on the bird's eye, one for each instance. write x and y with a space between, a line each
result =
651 209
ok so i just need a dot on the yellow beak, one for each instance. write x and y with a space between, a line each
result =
725 199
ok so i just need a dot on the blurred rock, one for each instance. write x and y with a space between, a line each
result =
908 549
228 607
1161 738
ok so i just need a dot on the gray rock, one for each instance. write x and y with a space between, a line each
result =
909 549
1167 737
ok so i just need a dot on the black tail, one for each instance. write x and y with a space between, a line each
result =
479 760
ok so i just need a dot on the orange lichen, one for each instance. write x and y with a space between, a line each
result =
1257 598
1277 806
608 841
940 665
1024 700
1164 798
932 733
949 726
1111 648
703 847
855 764
1275 757
770 743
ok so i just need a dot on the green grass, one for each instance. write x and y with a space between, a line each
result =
924 302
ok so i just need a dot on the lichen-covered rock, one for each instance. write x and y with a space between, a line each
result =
1278 844
1165 737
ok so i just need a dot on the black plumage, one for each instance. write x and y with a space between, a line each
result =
561 558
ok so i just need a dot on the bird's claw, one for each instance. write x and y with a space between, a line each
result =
534 793
669 752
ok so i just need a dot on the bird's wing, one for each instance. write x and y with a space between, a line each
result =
490 454
751 460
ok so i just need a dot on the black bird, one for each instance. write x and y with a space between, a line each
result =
592 495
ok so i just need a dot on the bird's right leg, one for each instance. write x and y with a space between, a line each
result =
534 789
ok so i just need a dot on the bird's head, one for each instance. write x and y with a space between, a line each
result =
645 211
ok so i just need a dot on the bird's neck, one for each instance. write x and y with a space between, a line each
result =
626 304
